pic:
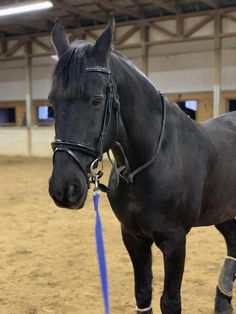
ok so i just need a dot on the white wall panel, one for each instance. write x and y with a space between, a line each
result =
13 141
12 90
193 72
154 34
187 80
228 26
41 141
177 72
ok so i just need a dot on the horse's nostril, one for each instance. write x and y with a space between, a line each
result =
71 195
58 196
54 192
71 189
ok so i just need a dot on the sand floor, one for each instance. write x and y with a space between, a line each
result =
48 258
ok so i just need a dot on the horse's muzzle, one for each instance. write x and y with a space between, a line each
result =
70 197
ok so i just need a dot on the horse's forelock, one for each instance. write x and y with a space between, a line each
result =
68 77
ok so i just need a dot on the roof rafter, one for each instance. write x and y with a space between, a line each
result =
126 35
212 3
199 25
33 24
12 28
229 16
162 30
171 7
15 47
41 44
139 7
78 11
116 7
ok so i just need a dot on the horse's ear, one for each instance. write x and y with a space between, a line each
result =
59 38
103 43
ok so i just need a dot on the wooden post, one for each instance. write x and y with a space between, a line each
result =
217 67
28 92
179 26
144 48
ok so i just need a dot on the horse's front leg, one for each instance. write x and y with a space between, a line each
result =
139 249
173 249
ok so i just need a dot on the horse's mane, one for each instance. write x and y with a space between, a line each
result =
133 67
68 76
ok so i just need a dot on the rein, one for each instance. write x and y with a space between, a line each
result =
124 170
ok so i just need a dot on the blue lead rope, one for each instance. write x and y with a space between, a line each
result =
101 254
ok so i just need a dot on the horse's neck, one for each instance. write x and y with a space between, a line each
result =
141 113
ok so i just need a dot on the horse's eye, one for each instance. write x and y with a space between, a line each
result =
96 101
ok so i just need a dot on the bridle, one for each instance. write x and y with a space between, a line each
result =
112 104
70 147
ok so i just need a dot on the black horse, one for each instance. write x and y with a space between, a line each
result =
170 174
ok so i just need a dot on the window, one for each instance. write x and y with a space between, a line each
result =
232 105
45 114
7 116
189 107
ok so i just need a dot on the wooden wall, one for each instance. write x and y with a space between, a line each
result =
205 102
204 112
19 140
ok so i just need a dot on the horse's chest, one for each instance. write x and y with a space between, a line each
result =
127 209
136 208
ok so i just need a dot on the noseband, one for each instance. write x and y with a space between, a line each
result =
70 147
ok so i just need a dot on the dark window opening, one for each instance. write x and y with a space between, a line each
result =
232 105
7 115
45 114
189 107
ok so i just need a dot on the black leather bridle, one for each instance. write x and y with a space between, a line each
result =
71 147
112 104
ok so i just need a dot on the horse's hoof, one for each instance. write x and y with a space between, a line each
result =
222 303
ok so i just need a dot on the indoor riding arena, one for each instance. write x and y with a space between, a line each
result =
48 259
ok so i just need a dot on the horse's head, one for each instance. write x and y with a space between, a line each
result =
83 95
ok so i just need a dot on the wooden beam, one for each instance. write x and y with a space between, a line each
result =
4 36
229 16
199 25
139 8
92 35
28 93
76 10
217 67
74 21
179 26
3 47
162 30
126 35
15 47
177 5
41 44
171 7
212 3
117 7
12 28
104 10
32 24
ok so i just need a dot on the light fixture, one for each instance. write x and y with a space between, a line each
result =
25 7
